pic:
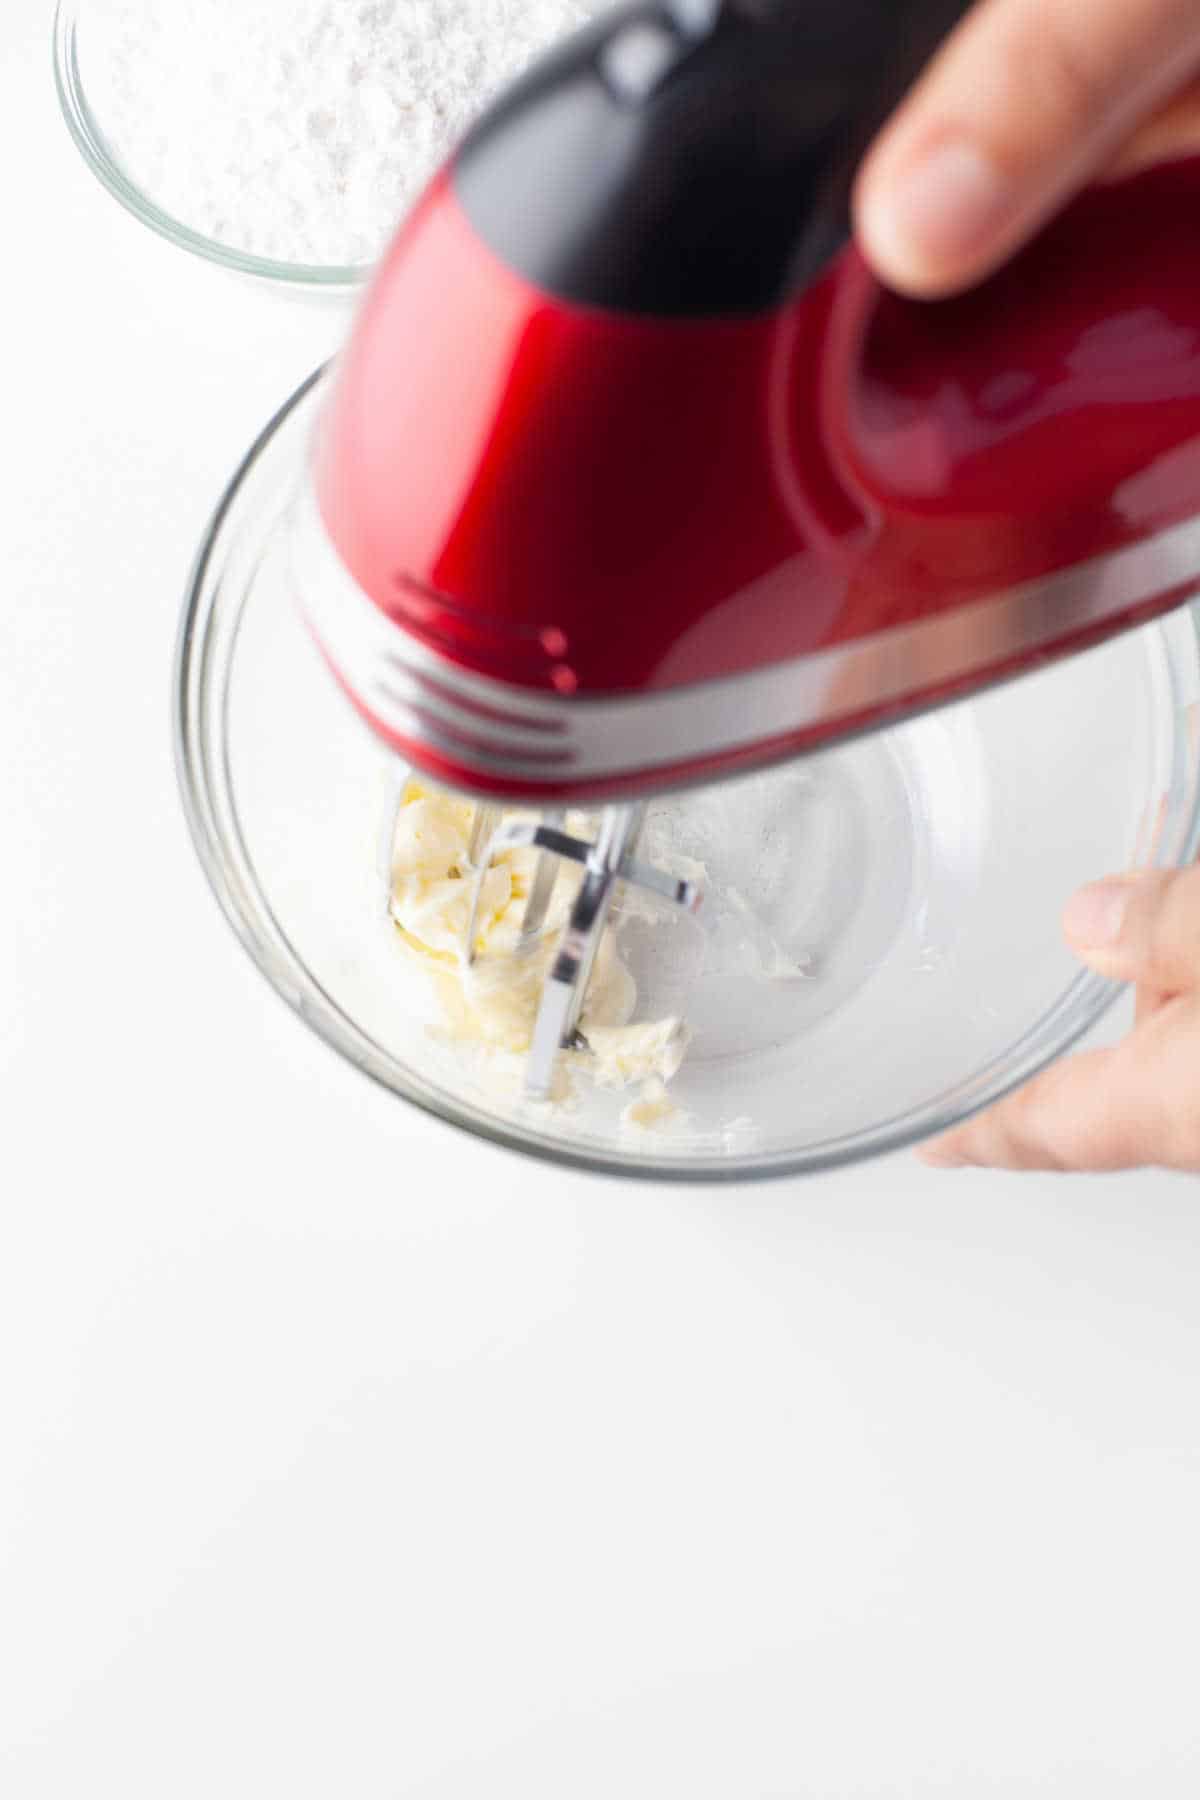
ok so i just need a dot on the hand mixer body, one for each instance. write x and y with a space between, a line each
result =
656 523
631 478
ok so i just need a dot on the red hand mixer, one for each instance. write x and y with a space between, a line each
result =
632 477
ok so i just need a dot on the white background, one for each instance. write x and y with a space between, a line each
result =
341 1456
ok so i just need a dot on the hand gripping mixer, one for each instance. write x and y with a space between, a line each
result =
632 478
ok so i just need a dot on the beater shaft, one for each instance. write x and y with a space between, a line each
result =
538 902
562 997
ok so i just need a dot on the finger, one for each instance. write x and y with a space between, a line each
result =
1023 103
1140 928
1106 1109
1172 130
1147 1002
1063 1119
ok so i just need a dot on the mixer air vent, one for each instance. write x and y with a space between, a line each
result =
511 645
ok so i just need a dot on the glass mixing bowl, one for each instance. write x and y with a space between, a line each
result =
221 124
878 953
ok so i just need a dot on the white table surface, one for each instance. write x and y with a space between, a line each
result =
340 1456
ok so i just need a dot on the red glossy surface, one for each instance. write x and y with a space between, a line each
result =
1049 416
577 502
558 496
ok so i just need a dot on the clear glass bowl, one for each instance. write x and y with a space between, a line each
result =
917 875
168 129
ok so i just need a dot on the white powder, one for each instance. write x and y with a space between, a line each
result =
300 130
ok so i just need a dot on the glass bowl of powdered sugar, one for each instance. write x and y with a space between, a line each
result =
286 138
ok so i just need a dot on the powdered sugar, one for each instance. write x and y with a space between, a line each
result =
300 130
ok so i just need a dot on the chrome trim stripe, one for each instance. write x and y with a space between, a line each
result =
503 731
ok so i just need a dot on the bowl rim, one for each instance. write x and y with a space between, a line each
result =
1082 1004
94 148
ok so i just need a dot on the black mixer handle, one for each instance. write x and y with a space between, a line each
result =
692 158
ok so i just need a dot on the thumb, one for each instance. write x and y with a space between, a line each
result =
1103 1109
1143 928
1025 101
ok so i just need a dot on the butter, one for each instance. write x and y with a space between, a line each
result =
493 1001
628 1053
652 1109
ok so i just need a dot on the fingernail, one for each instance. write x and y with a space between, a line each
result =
939 213
1093 917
